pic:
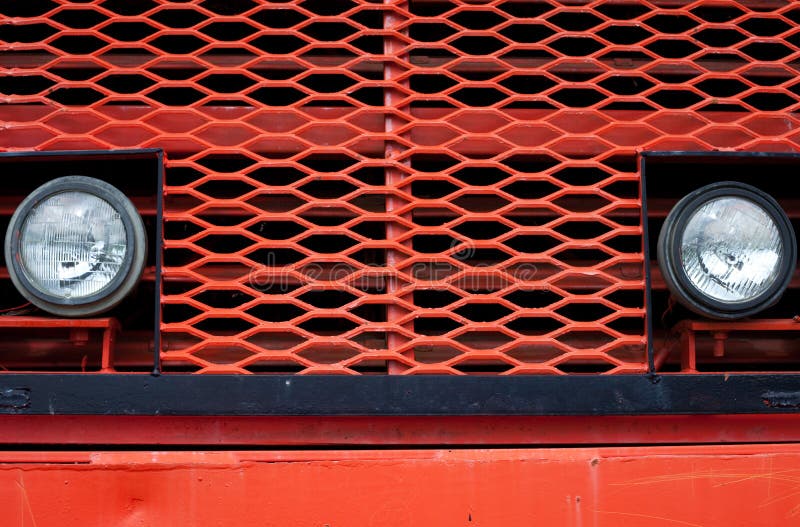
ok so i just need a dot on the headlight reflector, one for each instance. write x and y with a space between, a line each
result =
76 246
727 250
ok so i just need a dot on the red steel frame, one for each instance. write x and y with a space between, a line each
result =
78 332
689 330
369 431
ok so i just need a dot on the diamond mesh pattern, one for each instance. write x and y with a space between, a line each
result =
401 187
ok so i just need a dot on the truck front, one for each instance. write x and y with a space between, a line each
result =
326 262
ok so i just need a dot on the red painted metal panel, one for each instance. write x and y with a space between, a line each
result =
709 486
276 432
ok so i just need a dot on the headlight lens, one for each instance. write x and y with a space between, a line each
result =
72 245
727 250
731 250
75 246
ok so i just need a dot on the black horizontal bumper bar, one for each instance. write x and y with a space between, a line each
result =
177 394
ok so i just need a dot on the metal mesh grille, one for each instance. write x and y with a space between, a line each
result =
401 187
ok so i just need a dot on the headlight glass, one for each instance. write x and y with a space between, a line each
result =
76 246
72 244
731 249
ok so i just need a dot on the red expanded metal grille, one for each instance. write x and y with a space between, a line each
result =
401 187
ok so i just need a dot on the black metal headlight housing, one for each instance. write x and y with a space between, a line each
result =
76 246
727 250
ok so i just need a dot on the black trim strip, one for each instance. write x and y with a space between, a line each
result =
230 395
648 281
158 246
96 154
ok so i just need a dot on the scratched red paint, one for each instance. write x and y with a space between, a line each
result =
709 486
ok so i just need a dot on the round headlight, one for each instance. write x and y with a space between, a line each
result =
75 246
727 250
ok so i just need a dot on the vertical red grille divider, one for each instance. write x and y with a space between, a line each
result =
395 173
